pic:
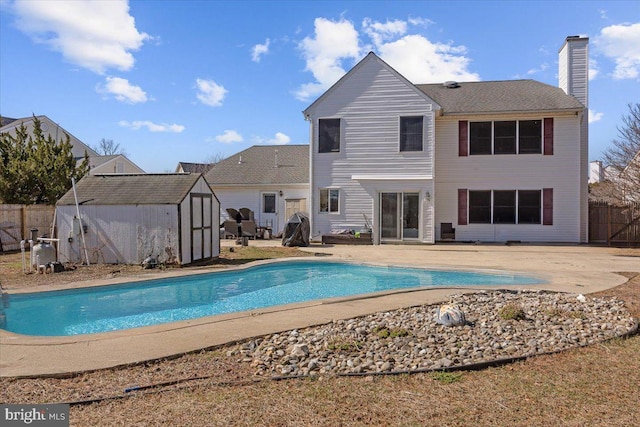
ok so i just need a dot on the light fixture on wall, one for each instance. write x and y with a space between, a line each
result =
280 193
427 196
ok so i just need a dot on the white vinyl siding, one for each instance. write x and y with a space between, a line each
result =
561 172
251 197
370 102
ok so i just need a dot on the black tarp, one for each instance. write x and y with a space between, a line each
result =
297 230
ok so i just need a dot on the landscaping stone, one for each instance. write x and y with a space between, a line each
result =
551 322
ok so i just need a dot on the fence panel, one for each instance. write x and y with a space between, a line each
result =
617 225
16 222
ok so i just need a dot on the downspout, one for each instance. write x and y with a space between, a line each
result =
311 209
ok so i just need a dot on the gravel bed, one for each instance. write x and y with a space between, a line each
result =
500 325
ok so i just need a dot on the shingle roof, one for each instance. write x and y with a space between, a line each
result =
142 189
4 121
257 165
194 167
500 97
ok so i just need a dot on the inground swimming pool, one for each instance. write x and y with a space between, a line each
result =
151 302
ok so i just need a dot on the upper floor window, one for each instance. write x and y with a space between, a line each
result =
269 203
329 198
329 135
505 137
530 136
411 133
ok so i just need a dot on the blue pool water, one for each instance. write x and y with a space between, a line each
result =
115 307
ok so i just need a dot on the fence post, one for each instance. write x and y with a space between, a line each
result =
608 224
23 221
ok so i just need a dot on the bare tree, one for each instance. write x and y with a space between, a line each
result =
109 148
215 158
622 158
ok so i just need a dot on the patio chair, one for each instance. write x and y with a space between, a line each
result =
230 229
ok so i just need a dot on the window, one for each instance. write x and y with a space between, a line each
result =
480 207
530 136
329 135
529 207
504 137
504 207
501 208
329 199
269 203
480 138
411 133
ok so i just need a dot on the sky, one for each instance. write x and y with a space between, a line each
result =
191 81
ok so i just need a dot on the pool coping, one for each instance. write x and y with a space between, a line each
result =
28 356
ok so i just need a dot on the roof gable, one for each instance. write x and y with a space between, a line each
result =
343 80
138 189
263 165
57 132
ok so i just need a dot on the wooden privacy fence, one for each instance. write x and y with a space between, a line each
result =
615 225
16 222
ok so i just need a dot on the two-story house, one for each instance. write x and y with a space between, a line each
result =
479 161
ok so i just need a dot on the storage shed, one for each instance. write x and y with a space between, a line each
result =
173 218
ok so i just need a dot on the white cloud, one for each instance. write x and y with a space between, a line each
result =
333 42
412 55
593 69
152 127
96 35
279 139
210 93
379 32
620 43
422 61
260 49
594 116
229 136
123 90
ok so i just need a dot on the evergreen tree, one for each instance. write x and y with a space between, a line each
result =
36 168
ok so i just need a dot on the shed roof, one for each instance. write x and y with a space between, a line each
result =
139 189
500 97
259 165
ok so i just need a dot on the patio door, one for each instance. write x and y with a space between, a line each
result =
399 216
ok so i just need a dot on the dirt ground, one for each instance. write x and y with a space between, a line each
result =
13 277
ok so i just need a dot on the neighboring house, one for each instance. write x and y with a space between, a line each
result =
49 127
596 171
628 180
272 181
193 167
480 161
98 164
116 163
173 218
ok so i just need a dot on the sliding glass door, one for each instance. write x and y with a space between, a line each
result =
399 216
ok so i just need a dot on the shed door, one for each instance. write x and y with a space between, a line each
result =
201 226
